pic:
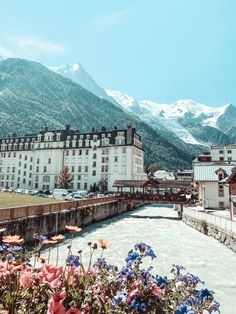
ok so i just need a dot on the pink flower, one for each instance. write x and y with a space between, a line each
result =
156 291
55 303
25 277
73 310
4 268
51 274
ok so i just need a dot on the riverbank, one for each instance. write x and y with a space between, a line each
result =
220 228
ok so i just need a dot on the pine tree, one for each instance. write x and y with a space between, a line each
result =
64 180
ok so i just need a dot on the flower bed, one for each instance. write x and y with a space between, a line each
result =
98 288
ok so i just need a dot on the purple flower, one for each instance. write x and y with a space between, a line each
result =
41 238
215 307
205 293
120 298
73 260
102 263
145 249
190 279
132 257
185 309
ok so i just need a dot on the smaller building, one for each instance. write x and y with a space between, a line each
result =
231 183
164 175
210 179
184 175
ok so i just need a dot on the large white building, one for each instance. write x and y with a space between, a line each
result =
211 171
34 161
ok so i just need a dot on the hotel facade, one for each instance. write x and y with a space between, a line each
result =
34 161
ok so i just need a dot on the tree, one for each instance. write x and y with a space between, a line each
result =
150 169
102 184
64 180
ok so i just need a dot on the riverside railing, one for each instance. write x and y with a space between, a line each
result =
218 221
17 212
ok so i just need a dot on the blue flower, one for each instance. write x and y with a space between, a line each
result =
120 298
138 305
73 260
185 309
177 268
145 249
205 293
102 263
132 257
215 307
190 279
162 281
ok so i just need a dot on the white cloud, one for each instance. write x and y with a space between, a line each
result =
28 46
5 53
111 20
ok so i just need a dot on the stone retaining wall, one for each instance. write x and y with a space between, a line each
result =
224 236
54 223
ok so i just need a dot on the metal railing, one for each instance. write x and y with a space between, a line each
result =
17 212
218 221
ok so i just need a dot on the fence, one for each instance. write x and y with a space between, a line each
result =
222 222
26 211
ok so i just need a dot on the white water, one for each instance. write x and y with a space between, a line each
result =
172 241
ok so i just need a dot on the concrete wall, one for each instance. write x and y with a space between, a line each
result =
226 237
52 223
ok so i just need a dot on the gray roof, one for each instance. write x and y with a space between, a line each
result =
208 172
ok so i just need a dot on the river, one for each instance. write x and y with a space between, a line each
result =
172 241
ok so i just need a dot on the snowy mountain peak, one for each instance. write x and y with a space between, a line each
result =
178 117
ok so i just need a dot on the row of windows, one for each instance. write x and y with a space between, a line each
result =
221 151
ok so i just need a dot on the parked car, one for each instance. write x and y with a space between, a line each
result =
41 195
29 192
59 193
20 191
73 196
11 189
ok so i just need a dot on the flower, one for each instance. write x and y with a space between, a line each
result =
73 260
185 309
49 241
105 244
132 257
15 239
73 229
58 237
2 230
120 298
55 303
51 274
145 249
74 310
41 238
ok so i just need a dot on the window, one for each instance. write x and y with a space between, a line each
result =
86 169
24 173
23 181
37 161
229 151
73 152
78 185
221 204
86 152
94 156
94 164
37 169
25 166
116 159
67 153
49 160
73 169
123 150
221 158
221 190
80 152
85 185
31 159
44 169
220 176
229 158
221 151
36 185
79 177
79 169
94 172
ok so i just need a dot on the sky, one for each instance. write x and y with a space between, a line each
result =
160 50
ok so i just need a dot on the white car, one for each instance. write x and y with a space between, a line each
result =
73 196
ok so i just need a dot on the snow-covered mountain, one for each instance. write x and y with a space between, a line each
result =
186 122
192 122
77 73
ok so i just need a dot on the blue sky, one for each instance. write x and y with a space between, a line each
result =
161 50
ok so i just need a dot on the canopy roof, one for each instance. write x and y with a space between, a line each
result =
152 183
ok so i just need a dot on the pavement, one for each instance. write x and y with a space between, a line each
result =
220 213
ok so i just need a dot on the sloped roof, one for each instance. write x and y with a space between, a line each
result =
208 172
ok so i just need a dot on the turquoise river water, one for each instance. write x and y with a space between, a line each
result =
172 241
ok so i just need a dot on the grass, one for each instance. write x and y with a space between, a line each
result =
12 200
